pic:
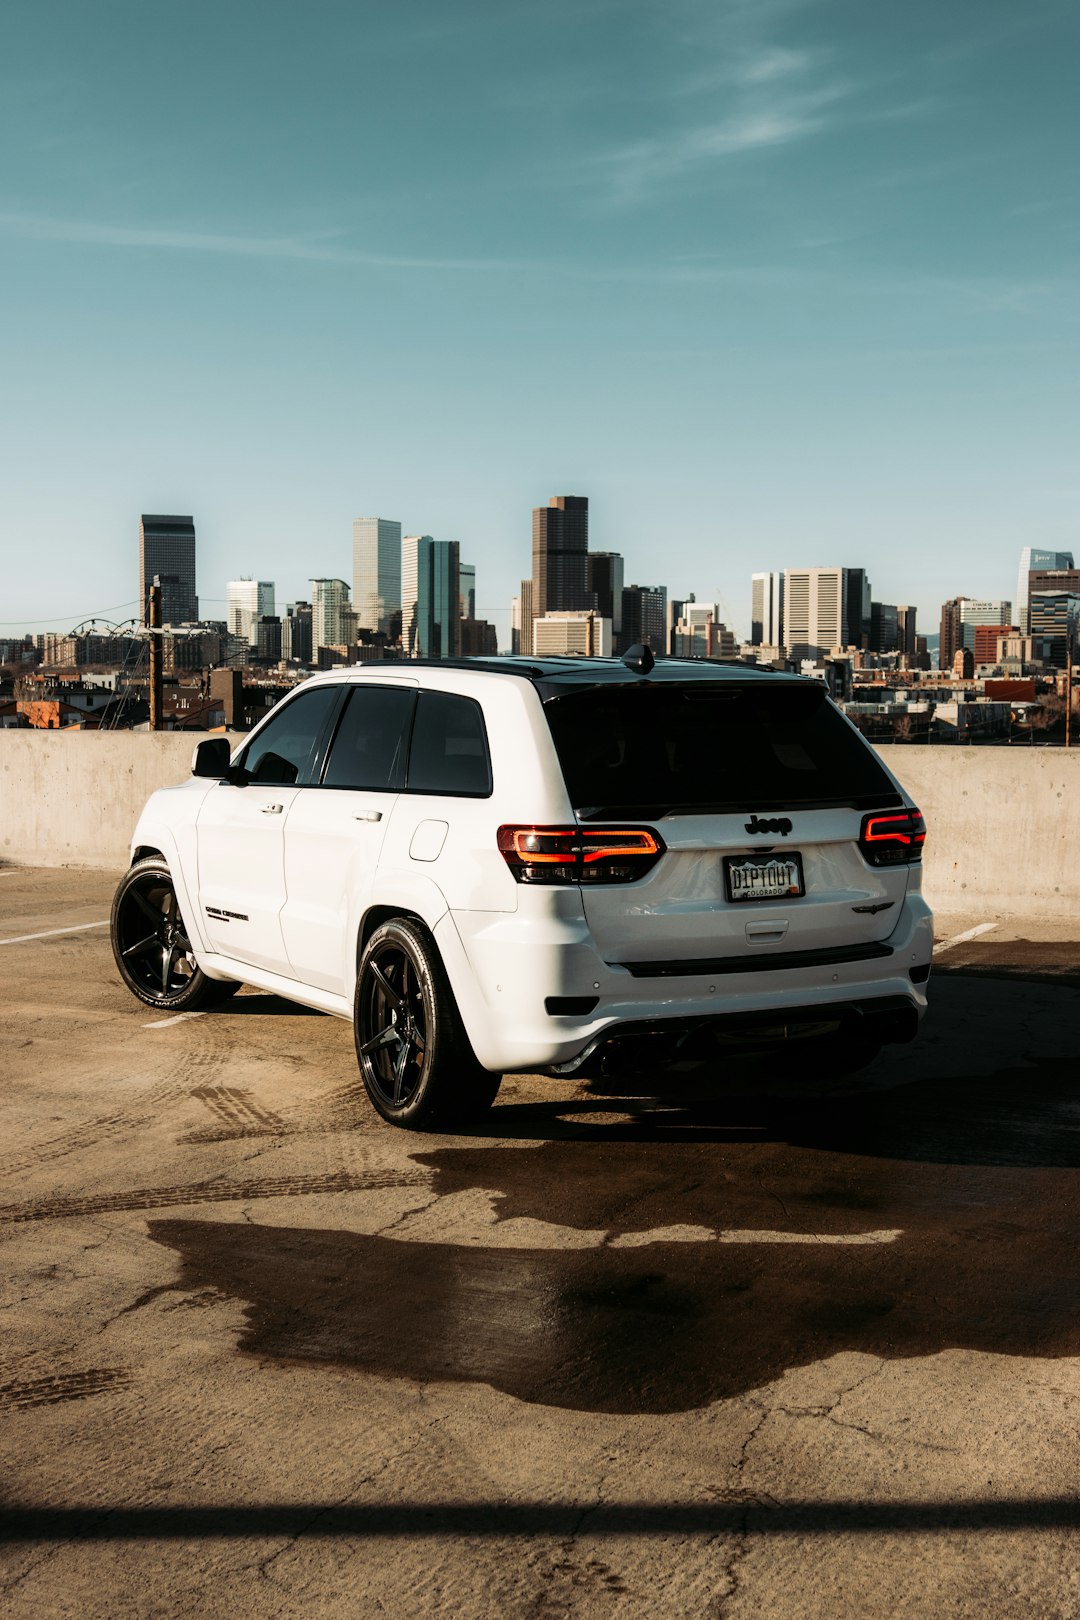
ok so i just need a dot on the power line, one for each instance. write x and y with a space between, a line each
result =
69 618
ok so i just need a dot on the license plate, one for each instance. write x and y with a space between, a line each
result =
775 877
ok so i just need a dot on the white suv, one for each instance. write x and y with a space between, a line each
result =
523 864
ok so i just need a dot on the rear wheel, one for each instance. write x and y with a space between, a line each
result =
414 1055
151 944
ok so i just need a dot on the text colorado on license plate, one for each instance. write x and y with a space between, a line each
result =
773 879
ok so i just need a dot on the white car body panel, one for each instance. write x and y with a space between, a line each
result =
333 839
291 893
241 871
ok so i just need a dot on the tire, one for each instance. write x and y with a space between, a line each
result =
151 946
415 1059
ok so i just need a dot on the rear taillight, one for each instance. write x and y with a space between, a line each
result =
579 854
893 838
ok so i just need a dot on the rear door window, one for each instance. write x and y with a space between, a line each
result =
449 752
723 746
368 750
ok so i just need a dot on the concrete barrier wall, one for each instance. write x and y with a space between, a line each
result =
1003 826
72 798
1004 822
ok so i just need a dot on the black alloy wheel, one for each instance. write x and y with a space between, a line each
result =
394 1021
151 945
415 1059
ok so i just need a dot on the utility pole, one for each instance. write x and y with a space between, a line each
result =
1068 695
156 651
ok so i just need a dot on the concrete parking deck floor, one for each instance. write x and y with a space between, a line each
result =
739 1349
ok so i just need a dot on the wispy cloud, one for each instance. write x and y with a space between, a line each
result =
776 63
748 91
760 122
311 248
1012 296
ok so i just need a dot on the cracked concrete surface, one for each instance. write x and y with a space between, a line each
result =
358 1372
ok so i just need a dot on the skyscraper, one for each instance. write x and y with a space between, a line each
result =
245 601
1053 579
430 597
560 543
376 572
167 549
573 633
884 627
695 630
604 584
906 636
644 618
767 610
267 632
296 632
467 575
825 608
1055 616
521 620
330 611
1032 558
952 633
479 639
974 613
858 608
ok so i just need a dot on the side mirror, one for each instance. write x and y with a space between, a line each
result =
211 758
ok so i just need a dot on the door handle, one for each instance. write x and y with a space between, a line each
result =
272 809
369 815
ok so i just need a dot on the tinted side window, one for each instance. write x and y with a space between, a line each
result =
449 751
368 750
285 747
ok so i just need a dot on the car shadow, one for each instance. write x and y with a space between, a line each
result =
671 1255
258 1003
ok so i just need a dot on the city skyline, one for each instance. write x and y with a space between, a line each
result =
298 577
382 539
778 281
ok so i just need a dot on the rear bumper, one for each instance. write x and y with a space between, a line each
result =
507 972
878 1021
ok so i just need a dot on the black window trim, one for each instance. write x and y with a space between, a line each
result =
332 724
322 740
348 687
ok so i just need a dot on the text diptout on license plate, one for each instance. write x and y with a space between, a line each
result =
776 879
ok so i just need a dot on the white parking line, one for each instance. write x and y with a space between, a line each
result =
50 933
635 1240
962 939
177 1018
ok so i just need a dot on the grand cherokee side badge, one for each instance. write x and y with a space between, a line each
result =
782 825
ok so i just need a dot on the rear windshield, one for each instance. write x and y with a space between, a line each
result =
650 750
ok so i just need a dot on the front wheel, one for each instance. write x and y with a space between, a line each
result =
415 1059
151 945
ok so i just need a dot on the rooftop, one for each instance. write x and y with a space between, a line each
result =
608 1346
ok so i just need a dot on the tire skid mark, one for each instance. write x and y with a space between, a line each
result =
233 1108
342 1107
342 1110
145 1109
212 1192
24 1393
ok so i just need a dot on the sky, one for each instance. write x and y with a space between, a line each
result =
775 283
